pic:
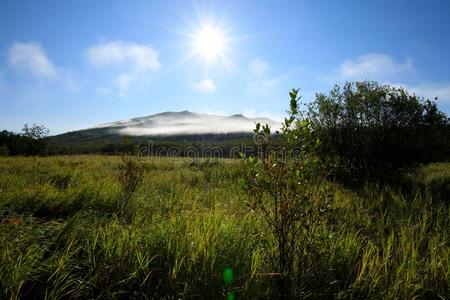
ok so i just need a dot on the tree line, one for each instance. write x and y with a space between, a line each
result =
31 141
365 130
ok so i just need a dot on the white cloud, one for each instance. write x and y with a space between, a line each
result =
258 67
263 114
31 58
138 57
431 90
426 90
124 81
263 86
384 69
372 66
205 85
130 62
260 83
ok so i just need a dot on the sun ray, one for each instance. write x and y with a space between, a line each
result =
210 41
180 62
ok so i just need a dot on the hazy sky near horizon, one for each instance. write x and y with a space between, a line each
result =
74 64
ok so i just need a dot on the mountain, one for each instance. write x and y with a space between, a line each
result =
185 123
167 126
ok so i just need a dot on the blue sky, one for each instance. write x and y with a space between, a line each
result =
74 64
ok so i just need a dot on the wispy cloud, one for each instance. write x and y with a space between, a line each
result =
263 86
431 90
31 58
263 114
130 61
260 82
124 81
372 66
206 85
103 90
384 69
258 68
138 57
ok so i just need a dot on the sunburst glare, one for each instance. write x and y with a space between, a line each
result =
209 42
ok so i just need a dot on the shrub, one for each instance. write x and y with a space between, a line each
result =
369 131
130 176
284 189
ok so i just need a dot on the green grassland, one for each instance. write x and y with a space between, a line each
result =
61 235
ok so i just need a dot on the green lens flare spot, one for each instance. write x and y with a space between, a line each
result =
228 277
230 296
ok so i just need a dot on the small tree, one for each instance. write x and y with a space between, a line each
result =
284 184
35 132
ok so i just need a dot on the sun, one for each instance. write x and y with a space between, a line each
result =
209 42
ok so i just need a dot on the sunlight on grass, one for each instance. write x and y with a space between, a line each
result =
61 236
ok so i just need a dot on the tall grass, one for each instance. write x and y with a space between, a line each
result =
62 237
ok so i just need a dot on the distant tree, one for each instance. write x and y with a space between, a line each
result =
35 137
35 131
368 130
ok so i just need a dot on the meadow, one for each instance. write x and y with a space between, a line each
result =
63 236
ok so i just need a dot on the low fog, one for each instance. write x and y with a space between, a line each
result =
178 123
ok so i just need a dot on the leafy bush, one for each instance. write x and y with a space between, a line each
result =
368 131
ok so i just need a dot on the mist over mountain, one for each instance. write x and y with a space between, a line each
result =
185 123
171 127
